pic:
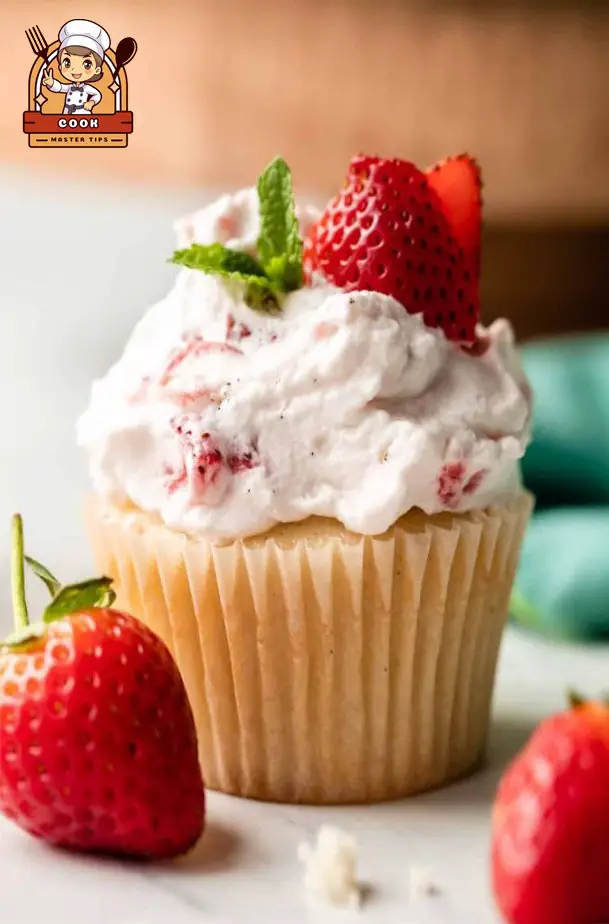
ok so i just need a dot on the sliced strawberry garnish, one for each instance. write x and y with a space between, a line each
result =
388 231
458 183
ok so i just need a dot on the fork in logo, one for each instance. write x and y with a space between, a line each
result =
38 43
40 47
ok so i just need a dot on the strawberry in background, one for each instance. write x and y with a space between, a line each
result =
98 748
550 834
411 234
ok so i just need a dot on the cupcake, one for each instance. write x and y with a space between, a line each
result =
306 471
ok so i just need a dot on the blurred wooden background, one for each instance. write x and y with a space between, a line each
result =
220 86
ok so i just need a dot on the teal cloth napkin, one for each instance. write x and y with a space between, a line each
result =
562 586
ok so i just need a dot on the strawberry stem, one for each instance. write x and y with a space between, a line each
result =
20 613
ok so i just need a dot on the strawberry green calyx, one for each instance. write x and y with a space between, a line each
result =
65 600
279 267
44 574
96 592
575 699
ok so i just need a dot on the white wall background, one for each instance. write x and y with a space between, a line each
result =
78 265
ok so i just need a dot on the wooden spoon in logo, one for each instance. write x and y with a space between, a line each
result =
125 52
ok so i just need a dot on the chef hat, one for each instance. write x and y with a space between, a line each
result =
85 33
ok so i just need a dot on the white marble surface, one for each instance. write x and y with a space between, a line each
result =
76 266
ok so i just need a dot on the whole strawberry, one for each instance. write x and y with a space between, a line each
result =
98 748
550 842
409 234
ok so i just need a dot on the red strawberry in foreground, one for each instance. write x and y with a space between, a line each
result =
389 231
98 748
550 846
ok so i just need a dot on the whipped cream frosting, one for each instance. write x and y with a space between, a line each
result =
223 421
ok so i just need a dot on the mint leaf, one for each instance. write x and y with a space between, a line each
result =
216 258
53 585
279 244
96 592
232 264
260 295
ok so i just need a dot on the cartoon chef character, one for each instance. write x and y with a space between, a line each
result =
80 56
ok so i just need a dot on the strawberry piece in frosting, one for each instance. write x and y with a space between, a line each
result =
479 347
175 479
195 346
450 483
453 484
242 462
471 486
204 472
141 392
236 330
324 329
207 472
202 397
227 227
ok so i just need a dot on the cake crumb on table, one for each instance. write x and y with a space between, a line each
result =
330 867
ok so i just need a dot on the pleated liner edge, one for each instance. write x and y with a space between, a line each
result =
323 666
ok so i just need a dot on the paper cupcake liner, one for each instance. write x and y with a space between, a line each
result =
325 666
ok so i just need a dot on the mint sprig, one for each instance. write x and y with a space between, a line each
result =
232 265
279 244
215 258
279 268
